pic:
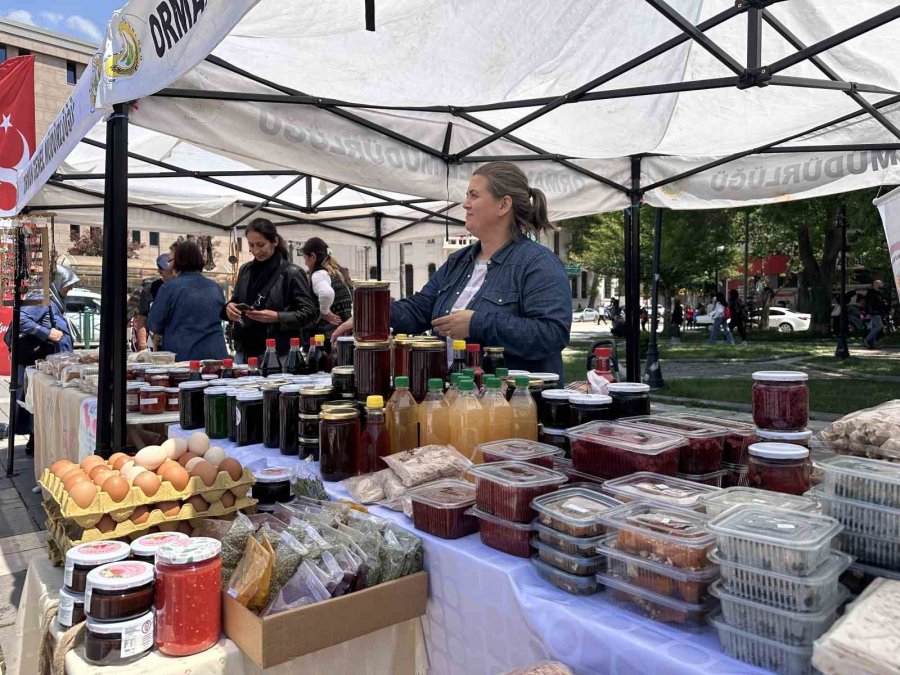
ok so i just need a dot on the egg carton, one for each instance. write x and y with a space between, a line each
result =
122 510
67 534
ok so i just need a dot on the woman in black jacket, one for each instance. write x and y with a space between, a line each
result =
271 298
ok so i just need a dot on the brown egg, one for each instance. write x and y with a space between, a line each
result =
186 457
97 468
91 461
106 524
148 482
232 467
169 509
71 470
205 472
113 457
60 468
177 476
102 475
168 527
185 527
83 493
140 515
200 505
191 463
119 462
162 468
228 499
116 487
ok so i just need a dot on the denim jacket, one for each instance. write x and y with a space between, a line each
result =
186 313
524 304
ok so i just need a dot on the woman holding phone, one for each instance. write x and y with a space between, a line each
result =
271 299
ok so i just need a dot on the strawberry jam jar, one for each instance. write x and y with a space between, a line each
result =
780 400
188 596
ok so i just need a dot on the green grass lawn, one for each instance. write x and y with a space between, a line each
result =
869 365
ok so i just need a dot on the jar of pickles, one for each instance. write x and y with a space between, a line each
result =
344 346
271 407
372 369
343 382
338 443
371 310
427 360
215 408
230 407
191 411
780 400
779 467
493 359
248 417
288 419
629 399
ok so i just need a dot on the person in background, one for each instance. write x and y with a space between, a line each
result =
677 319
645 317
738 315
148 293
719 322
505 290
187 309
876 308
271 298
330 284
688 317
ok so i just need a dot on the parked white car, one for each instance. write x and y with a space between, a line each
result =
784 320
83 311
588 314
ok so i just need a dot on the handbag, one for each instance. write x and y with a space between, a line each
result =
31 348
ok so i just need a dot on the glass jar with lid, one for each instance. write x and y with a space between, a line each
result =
401 346
427 360
312 398
288 419
188 596
555 437
118 643
493 359
584 408
338 443
191 408
144 548
71 608
344 345
371 310
372 369
779 467
153 400
272 486
271 406
119 591
554 410
230 407
248 417
215 409
343 382
83 558
780 400
157 377
629 399
133 395
172 403
179 375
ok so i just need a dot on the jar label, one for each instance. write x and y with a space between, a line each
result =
173 401
148 401
88 592
66 609
137 637
67 577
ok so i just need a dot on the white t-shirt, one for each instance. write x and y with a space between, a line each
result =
465 297
321 286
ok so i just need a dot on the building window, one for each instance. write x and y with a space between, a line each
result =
432 268
607 287
373 272
154 238
96 232
574 281
71 75
408 283
556 243
24 52
585 288
136 236
74 233
2 53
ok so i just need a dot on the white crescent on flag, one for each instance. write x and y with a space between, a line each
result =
10 174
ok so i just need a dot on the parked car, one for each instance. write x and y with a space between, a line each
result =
783 320
588 314
83 313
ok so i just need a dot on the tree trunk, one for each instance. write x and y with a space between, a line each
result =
819 274
595 285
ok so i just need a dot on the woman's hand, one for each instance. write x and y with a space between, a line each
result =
232 312
332 318
344 329
55 335
455 325
263 315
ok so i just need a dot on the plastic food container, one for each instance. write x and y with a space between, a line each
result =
735 475
144 548
574 511
118 643
775 540
711 479
780 467
718 502
705 442
758 651
685 585
119 591
71 608
585 480
503 535
439 508
585 546
570 583
811 593
81 559
654 606
658 489
780 625
612 450
738 438
801 437
868 550
505 489
581 566
872 520
673 536
780 400
629 399
863 479
519 450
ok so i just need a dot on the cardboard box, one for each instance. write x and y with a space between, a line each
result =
289 635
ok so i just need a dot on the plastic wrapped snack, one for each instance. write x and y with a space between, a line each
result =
663 534
439 508
873 432
503 535
655 606
428 463
865 480
573 511
739 438
506 489
722 500
759 651
579 565
773 539
705 442
365 489
520 450
612 450
570 583
658 489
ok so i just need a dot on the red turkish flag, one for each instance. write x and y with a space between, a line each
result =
17 142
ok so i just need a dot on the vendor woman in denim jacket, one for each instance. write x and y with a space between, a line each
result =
506 290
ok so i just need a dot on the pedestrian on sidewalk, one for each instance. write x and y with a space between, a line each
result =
677 319
738 312
720 321
688 317
876 308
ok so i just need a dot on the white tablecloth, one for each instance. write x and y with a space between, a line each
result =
489 612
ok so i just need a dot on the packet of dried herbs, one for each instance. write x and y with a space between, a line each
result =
303 588
233 544
248 575
289 553
258 601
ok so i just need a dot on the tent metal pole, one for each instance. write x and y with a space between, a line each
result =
331 193
14 384
389 202
653 374
419 221
633 277
754 38
854 147
746 256
378 245
842 350
172 174
834 85
265 203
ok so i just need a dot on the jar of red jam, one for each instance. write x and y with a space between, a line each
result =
371 310
81 559
118 643
372 369
133 396
144 548
119 591
157 377
172 399
211 367
188 596
179 375
796 437
153 400
779 467
780 400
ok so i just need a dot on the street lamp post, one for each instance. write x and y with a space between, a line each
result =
842 351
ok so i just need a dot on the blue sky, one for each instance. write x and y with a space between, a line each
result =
85 20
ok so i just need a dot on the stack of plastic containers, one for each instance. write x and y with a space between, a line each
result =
738 439
779 589
503 495
657 562
864 495
567 538
655 488
611 449
701 459
519 450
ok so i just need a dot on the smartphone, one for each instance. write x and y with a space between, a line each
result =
243 307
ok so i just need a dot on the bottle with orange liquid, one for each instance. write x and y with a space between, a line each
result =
453 389
467 421
497 411
402 417
434 415
524 411
375 440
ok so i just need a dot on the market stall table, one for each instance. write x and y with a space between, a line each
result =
489 611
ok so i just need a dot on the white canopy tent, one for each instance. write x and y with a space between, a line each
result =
606 104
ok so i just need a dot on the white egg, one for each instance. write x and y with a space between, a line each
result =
174 448
214 455
198 443
150 457
133 472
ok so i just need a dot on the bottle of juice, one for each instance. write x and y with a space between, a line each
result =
524 411
497 412
459 357
375 440
467 421
502 374
271 363
453 390
403 417
434 415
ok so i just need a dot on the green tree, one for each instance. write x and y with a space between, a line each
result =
92 244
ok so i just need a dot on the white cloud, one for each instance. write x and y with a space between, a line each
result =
21 15
84 26
52 18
